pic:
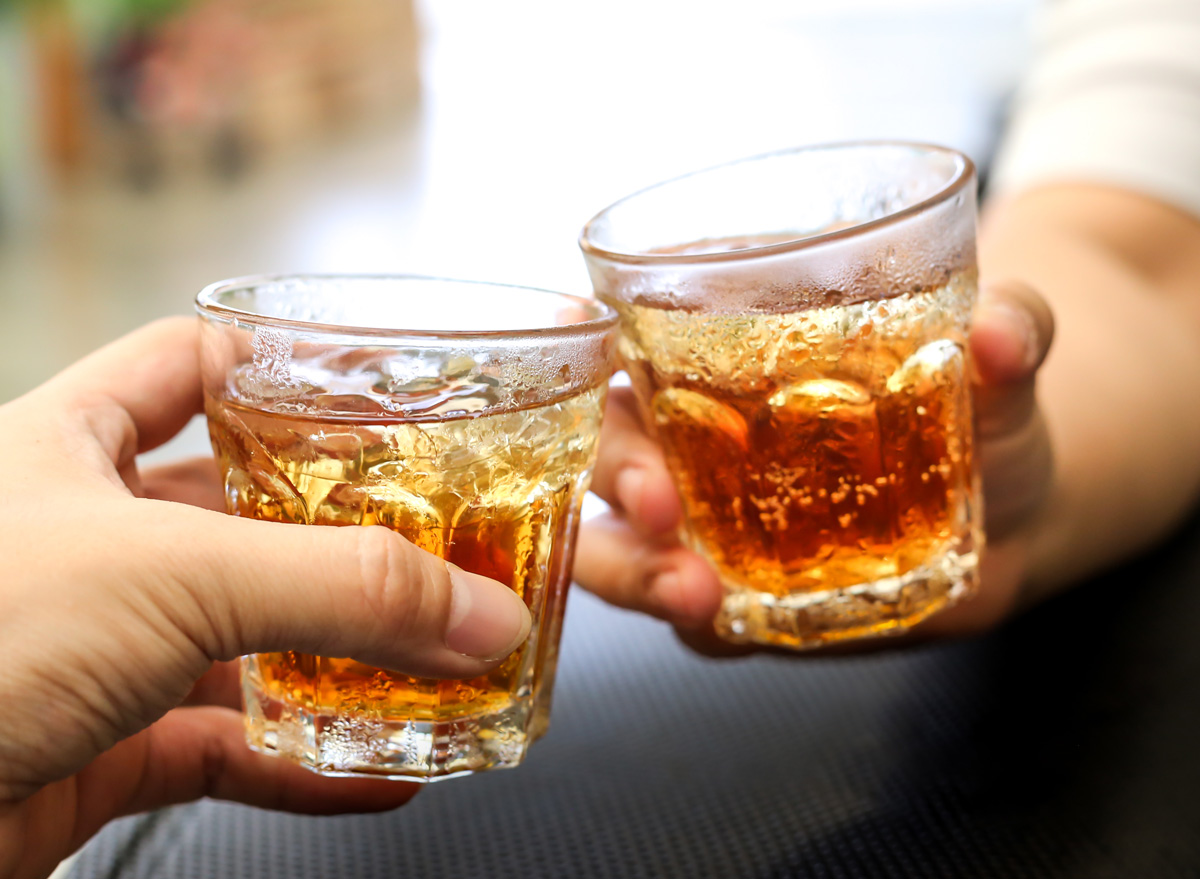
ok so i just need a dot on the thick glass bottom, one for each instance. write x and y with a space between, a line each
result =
889 606
348 744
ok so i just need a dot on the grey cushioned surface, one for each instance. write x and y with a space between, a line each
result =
1064 744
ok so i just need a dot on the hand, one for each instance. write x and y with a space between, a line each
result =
124 595
632 558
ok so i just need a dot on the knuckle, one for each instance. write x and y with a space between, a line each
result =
999 416
214 763
109 424
191 594
178 329
378 569
636 577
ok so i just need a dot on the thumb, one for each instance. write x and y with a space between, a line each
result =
1010 338
1011 332
362 592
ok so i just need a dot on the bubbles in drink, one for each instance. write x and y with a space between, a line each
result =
688 409
495 493
817 450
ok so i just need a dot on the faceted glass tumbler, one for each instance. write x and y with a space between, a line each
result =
463 416
795 329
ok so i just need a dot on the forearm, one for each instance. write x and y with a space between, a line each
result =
1121 388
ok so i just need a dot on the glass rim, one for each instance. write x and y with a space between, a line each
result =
963 173
207 304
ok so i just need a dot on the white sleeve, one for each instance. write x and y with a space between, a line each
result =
1113 96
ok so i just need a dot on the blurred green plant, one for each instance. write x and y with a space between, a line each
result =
118 10
150 9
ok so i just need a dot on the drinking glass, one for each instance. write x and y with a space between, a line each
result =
464 416
795 329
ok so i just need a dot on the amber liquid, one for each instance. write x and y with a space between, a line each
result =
818 452
496 494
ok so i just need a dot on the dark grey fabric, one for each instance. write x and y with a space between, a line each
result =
1064 744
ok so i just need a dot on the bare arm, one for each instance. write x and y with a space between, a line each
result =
1121 388
1119 394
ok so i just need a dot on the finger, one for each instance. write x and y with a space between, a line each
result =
999 592
196 482
240 586
1010 338
630 472
623 568
221 685
1017 467
705 641
146 385
188 754
1011 333
201 752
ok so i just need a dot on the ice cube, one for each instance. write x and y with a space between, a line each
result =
682 407
815 397
935 365
405 502
408 441
254 485
344 504
333 456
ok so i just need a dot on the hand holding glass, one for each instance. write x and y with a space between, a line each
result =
795 329
476 443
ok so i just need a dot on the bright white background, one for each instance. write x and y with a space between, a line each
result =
535 114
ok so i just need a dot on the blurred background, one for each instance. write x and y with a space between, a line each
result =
148 147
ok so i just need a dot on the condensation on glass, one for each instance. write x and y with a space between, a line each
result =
795 329
463 416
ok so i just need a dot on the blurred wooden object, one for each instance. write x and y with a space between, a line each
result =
217 86
61 84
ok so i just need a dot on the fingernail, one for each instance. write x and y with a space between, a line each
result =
630 483
1020 323
487 620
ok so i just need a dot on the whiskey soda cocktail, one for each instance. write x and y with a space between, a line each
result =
795 329
348 402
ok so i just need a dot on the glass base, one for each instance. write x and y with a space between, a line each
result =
884 607
348 744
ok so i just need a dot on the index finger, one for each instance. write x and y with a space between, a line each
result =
152 374
631 474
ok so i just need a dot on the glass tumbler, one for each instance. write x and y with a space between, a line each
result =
795 329
464 416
